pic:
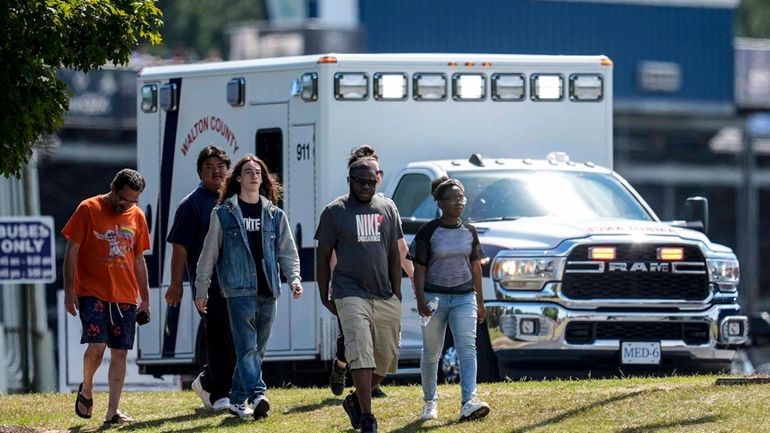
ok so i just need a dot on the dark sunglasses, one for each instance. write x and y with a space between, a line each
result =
361 182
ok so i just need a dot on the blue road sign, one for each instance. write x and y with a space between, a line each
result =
27 253
758 124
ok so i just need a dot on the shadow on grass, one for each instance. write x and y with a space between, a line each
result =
419 425
140 424
577 411
666 425
231 421
315 406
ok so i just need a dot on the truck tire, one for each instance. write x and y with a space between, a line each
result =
488 368
449 363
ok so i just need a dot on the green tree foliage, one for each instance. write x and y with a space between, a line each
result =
201 25
754 19
40 36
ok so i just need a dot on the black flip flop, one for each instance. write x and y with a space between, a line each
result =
88 403
118 419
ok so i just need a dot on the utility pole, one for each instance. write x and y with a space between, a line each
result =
37 338
757 125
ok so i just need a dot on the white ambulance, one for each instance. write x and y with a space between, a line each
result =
303 115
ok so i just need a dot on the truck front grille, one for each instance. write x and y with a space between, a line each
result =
644 277
588 332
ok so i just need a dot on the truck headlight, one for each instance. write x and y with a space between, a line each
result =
526 273
726 273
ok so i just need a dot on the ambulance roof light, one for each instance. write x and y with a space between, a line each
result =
586 87
150 98
469 87
390 86
546 87
308 87
169 97
429 86
508 87
327 59
351 86
236 92
606 61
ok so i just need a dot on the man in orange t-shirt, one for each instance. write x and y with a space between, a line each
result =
105 276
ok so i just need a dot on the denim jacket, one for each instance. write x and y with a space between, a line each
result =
227 246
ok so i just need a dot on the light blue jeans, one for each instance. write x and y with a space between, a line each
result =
459 311
251 319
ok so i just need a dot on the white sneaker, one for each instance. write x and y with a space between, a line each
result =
260 407
202 393
430 410
474 409
221 404
241 410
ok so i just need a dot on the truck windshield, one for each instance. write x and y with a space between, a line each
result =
507 195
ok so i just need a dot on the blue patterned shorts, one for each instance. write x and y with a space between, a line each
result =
112 323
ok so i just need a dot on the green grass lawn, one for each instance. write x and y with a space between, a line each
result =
671 404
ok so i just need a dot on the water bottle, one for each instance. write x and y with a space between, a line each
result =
432 305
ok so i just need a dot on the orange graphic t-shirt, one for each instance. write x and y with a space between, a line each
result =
109 242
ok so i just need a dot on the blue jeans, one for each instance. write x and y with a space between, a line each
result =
251 319
459 311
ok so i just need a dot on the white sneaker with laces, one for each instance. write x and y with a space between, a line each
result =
221 404
202 393
241 410
474 409
430 410
260 406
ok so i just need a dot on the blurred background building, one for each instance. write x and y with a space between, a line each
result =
689 96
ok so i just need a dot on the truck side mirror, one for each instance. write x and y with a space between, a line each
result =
698 213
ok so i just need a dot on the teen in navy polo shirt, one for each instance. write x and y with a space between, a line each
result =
191 222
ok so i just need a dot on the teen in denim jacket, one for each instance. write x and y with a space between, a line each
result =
249 241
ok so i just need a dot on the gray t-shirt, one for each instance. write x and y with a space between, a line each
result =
361 235
447 253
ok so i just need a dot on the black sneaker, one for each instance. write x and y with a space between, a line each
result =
260 406
378 393
353 409
337 378
368 423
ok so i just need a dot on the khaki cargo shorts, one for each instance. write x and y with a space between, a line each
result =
372 331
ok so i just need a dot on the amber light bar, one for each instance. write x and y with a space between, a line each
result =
601 253
670 253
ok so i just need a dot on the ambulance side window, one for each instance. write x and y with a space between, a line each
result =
270 150
412 197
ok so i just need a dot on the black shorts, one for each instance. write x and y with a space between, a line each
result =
111 323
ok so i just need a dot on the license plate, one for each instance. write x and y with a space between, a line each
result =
640 353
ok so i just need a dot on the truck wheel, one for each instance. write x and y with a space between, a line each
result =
488 368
